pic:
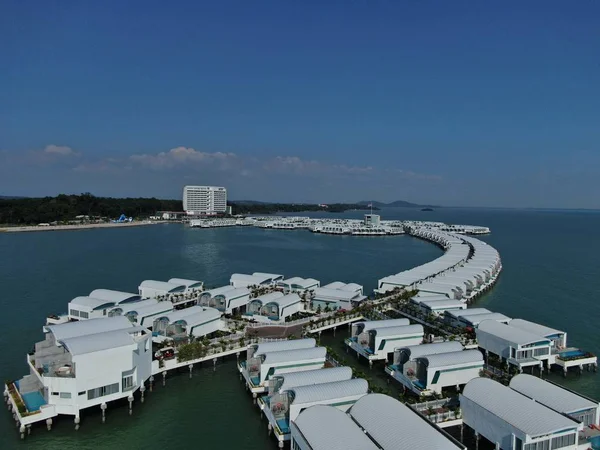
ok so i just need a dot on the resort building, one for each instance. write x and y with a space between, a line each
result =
282 408
204 200
278 346
517 347
360 328
117 297
297 284
190 285
558 338
277 308
84 308
275 278
384 421
473 321
440 306
154 289
560 399
454 317
196 321
262 366
377 343
256 304
285 381
513 421
207 296
143 313
83 364
242 280
328 428
326 297
231 301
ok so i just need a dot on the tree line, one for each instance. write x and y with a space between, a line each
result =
64 208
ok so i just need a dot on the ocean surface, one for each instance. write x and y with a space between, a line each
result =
551 261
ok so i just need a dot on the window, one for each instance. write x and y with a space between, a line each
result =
102 391
127 380
542 445
74 312
65 395
54 393
563 441
84 315
81 393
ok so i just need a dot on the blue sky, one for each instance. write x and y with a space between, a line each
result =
453 103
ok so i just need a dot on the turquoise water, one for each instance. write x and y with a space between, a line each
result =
550 275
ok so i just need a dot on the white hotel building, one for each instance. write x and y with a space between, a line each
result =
204 200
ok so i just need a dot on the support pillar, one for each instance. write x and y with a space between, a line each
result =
103 408
334 335
281 443
77 421
151 382
476 440
22 431
29 429
164 374
270 428
254 398
191 367
565 372
462 432
214 364
130 400
142 390
370 364
49 424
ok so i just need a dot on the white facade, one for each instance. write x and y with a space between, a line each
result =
154 289
204 200
84 308
512 421
242 280
448 369
297 284
195 321
231 300
84 364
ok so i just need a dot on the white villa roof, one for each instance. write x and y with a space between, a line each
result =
85 327
530 417
151 310
91 303
114 296
508 333
353 287
393 426
441 304
534 328
199 317
328 428
293 344
272 276
374 324
334 294
250 279
432 349
286 300
91 343
478 318
334 285
304 282
453 358
469 312
136 306
268 297
329 391
233 293
219 290
399 331
187 313
187 283
309 377
161 286
551 395
300 354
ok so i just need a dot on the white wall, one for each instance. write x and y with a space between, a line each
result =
453 378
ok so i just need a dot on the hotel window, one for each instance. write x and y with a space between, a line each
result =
127 382
65 395
563 441
83 315
74 312
542 445
102 391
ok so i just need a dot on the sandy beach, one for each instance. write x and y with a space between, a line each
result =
77 227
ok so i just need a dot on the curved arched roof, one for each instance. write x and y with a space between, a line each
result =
284 301
398 331
115 296
310 377
92 303
530 417
551 395
293 344
328 428
329 391
187 283
162 286
393 426
373 324
415 351
452 358
295 355
85 327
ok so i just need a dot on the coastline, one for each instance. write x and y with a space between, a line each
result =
34 228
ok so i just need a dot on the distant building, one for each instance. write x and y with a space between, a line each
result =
372 220
204 200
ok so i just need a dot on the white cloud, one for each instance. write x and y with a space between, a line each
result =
60 150
181 156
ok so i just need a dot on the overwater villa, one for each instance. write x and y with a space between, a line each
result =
255 350
118 297
196 321
375 421
277 308
378 342
207 296
438 306
256 304
231 301
190 285
262 366
282 408
142 313
242 280
474 320
456 318
512 421
84 308
285 381
154 289
82 364
338 295
298 285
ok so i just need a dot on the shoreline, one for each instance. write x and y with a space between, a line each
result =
34 228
